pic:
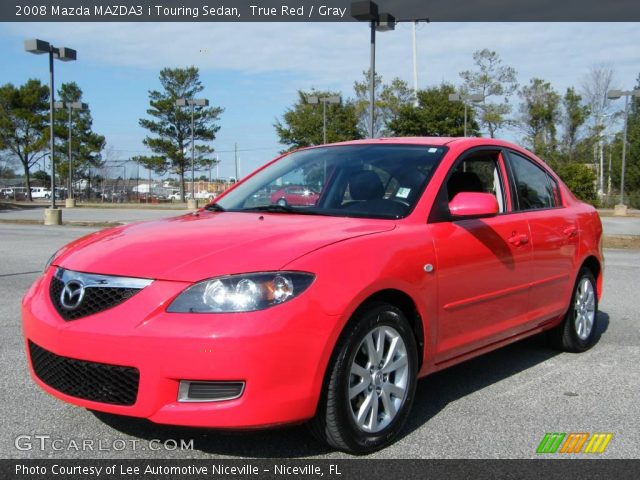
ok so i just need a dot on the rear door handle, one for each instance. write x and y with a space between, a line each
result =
571 231
517 240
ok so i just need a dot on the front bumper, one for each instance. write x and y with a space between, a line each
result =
280 353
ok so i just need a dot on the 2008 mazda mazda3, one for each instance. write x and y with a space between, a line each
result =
415 254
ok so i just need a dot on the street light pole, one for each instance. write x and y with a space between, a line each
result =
51 135
624 148
193 159
415 62
372 80
324 123
600 128
192 102
465 119
70 106
368 11
314 100
465 99
65 54
621 209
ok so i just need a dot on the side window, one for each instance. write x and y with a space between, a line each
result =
478 173
534 187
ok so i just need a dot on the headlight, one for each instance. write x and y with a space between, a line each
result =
241 293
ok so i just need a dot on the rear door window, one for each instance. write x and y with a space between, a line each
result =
534 188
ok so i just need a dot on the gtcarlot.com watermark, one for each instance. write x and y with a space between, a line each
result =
43 443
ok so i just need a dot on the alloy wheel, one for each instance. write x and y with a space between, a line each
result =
378 379
584 308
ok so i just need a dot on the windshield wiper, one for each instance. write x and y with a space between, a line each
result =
279 209
214 207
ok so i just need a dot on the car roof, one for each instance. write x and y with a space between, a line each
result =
433 141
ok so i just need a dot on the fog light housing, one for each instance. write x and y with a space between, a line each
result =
209 391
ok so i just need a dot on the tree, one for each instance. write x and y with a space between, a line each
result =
540 112
7 163
171 125
42 176
362 104
393 98
595 86
434 116
491 79
390 98
575 115
301 125
580 179
23 123
86 145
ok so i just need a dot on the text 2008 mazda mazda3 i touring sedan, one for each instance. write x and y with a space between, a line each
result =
417 254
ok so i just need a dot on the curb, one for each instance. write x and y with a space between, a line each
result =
72 223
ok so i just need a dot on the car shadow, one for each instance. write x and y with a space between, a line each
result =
433 395
436 391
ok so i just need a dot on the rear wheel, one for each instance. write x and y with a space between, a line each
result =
577 331
282 202
370 382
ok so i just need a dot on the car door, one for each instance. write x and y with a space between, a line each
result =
554 236
482 264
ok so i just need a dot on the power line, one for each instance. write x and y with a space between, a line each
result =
215 151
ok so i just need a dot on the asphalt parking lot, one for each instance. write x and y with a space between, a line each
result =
497 406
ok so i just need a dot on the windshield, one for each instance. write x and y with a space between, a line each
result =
372 181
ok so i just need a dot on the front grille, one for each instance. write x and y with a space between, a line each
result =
96 299
98 382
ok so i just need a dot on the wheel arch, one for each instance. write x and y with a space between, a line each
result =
594 265
406 305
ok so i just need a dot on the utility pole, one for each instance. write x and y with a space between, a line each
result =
237 162
415 63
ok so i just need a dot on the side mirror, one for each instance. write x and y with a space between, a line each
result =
473 205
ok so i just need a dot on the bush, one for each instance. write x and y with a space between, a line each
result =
581 180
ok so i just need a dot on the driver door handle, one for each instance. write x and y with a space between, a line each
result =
517 240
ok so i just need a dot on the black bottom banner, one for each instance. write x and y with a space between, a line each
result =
341 469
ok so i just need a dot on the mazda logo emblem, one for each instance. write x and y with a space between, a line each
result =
72 294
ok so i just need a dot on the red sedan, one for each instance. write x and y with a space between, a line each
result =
418 254
297 195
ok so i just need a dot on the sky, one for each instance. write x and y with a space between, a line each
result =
253 70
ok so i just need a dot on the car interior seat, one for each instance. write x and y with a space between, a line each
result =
463 182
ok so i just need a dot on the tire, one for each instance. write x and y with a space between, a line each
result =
577 332
282 202
336 420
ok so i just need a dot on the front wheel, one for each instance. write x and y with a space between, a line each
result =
370 382
577 332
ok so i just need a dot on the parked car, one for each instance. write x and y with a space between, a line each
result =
418 254
297 195
14 193
40 192
205 195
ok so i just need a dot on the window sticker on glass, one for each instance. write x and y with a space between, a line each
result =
403 192
433 150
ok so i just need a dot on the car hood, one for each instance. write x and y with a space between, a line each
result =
198 246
